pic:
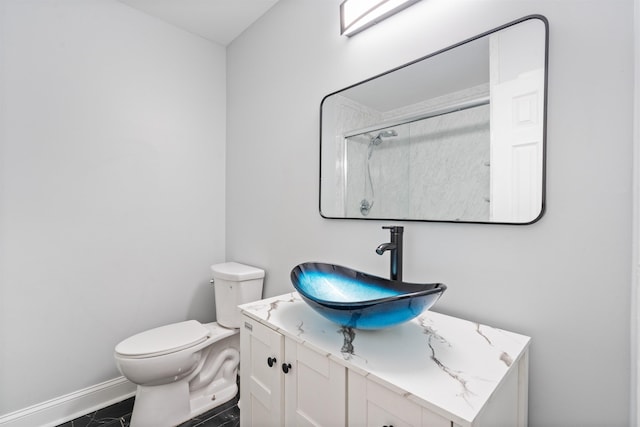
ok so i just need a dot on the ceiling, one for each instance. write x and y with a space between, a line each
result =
220 21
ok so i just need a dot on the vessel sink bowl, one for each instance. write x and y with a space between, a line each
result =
358 300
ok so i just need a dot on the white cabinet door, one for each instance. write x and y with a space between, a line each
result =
284 383
261 380
371 404
315 388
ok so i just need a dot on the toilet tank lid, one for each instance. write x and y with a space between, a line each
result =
236 271
163 340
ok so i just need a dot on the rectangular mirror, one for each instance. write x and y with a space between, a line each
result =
455 136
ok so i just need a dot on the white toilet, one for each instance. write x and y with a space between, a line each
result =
187 368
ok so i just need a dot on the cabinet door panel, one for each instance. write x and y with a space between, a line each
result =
260 384
315 389
387 408
371 404
377 416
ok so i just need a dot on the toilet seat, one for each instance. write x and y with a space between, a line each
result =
163 340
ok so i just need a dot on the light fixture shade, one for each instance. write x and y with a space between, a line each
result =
358 15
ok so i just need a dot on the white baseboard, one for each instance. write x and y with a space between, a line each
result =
70 406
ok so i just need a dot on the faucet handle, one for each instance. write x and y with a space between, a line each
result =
393 228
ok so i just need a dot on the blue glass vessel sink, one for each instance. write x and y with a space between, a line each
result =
359 300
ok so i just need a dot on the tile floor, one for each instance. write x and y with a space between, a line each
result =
119 415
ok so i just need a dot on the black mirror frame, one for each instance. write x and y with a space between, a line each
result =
543 207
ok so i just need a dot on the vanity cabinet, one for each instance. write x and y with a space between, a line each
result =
299 369
284 383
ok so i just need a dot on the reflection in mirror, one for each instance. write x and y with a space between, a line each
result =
455 136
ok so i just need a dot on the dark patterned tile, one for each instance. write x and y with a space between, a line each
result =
116 415
115 411
123 421
227 415
226 420
119 415
219 416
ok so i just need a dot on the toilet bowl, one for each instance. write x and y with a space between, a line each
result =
185 369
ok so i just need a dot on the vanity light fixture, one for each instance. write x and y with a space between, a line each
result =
358 15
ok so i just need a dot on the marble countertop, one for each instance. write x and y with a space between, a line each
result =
446 364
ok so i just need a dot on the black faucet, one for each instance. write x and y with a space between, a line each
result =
395 246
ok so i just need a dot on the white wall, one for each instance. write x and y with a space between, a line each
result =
635 270
112 146
565 280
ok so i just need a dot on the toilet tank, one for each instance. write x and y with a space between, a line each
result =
235 284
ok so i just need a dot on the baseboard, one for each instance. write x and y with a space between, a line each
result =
73 405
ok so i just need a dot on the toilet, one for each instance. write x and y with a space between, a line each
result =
185 369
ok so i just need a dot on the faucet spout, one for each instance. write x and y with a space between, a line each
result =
395 248
385 247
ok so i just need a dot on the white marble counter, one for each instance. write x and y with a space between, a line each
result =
443 363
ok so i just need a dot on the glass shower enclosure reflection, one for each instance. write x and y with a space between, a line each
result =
437 165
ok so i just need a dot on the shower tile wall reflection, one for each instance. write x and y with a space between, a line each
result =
436 168
348 114
378 175
453 178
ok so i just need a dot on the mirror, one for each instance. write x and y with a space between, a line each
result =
456 136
